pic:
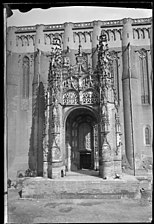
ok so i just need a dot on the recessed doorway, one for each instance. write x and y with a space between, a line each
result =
81 140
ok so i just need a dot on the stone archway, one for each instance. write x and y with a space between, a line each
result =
81 139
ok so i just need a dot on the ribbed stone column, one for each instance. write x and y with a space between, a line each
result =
95 40
68 43
127 41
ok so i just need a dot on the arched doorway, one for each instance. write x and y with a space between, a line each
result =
81 139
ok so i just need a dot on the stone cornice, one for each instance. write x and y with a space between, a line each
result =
84 25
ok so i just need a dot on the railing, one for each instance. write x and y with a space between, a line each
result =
54 27
83 25
112 22
26 28
142 20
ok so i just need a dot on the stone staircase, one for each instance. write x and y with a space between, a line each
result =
82 184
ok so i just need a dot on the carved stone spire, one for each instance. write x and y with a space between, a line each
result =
104 62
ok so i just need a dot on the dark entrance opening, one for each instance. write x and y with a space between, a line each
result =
85 160
81 140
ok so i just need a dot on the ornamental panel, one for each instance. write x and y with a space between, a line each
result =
90 97
70 83
70 98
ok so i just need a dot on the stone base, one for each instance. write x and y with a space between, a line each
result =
56 172
117 167
106 169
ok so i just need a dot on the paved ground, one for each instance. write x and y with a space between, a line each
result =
28 211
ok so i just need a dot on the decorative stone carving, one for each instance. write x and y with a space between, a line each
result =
106 151
70 83
70 98
66 62
56 155
109 106
89 81
142 53
90 97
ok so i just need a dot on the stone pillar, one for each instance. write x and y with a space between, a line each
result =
11 104
39 44
95 40
39 38
56 165
106 160
108 110
106 166
68 43
11 38
127 57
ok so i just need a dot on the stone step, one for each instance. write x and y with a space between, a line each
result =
81 186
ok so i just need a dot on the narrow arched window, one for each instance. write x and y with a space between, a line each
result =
145 97
26 66
147 136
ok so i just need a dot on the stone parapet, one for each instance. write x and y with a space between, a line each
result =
83 25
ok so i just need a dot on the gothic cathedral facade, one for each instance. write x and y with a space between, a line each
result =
79 96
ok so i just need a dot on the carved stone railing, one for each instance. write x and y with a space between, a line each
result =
112 23
142 21
54 27
25 29
84 25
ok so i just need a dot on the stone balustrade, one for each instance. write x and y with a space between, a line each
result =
84 25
